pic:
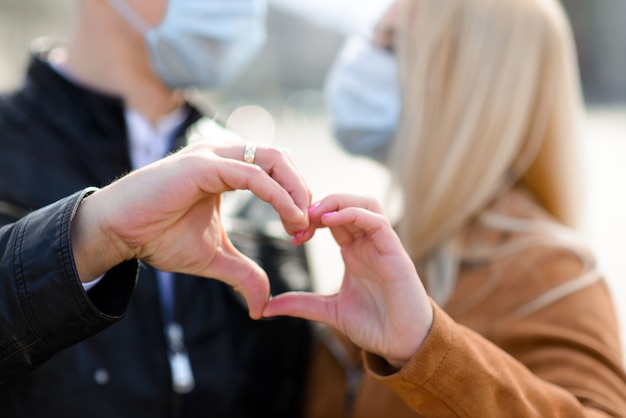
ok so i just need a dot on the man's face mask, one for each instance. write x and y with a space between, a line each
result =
363 95
201 43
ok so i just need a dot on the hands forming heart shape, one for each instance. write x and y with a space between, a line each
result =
168 214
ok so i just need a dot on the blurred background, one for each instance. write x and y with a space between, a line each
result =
279 100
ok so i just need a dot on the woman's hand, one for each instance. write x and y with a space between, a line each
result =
168 214
381 305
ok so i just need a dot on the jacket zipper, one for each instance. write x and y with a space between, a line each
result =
180 366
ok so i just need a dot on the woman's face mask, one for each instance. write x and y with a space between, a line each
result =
201 43
363 95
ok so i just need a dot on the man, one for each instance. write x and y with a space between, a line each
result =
91 235
107 103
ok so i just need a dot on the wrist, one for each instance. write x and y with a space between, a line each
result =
96 249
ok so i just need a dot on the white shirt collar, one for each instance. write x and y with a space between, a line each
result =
150 142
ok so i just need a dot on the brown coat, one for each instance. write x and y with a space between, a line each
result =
532 333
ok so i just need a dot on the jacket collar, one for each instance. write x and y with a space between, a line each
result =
58 98
69 102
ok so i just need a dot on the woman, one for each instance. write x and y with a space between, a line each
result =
522 322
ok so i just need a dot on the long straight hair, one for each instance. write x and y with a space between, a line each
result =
491 98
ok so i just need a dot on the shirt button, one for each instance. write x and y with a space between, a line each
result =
101 376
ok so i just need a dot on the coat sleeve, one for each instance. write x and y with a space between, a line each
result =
554 370
43 307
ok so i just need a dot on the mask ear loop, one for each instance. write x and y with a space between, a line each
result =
130 16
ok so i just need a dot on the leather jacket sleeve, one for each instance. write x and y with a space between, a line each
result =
43 307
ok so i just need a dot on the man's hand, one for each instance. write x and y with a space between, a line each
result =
168 214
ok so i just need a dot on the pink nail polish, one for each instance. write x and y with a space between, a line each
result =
313 207
296 238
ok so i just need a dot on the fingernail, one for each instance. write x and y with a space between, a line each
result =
329 214
296 238
314 206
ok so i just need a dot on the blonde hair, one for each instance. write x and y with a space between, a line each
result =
491 97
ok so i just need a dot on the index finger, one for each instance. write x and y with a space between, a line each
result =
279 165
241 176
276 162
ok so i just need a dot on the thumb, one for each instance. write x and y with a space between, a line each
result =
306 305
246 277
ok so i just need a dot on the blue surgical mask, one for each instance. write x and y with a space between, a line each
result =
363 96
201 43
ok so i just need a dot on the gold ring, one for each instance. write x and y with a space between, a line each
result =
248 153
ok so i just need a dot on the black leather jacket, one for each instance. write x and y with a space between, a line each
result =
43 307
56 138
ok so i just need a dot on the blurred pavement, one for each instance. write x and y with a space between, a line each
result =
605 156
